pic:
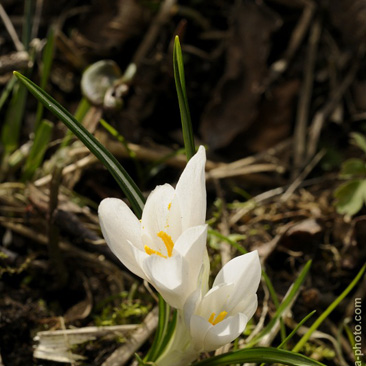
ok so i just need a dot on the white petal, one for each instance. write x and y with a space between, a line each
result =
245 272
216 300
199 328
121 230
192 243
138 257
167 275
225 332
191 191
155 216
191 246
205 273
248 306
190 306
174 219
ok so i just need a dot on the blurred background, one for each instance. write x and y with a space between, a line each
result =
277 94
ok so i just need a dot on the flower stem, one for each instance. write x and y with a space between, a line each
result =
179 351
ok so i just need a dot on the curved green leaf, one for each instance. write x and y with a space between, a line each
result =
163 325
283 306
260 354
353 167
126 183
350 196
180 85
358 140
328 310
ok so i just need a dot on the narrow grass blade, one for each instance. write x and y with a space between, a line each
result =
154 167
285 303
126 183
258 355
233 243
123 141
47 59
182 99
284 342
169 332
163 325
79 115
13 119
27 23
330 308
38 149
275 301
7 90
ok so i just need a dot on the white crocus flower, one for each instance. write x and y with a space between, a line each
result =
220 316
167 247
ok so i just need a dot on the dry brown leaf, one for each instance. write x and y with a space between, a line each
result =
274 121
234 105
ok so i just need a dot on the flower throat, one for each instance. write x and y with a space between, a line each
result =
168 242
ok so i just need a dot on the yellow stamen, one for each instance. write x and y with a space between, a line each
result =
150 251
211 318
169 206
167 239
218 319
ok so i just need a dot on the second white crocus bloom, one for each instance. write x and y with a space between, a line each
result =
221 315
167 247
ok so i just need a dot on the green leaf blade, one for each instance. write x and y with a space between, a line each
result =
126 183
258 355
38 149
329 309
47 59
182 99
13 119
283 306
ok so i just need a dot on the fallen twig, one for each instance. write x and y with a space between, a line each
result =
56 345
135 341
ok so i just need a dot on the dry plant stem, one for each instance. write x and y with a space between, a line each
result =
93 331
14 61
226 171
162 17
53 230
57 345
305 98
266 341
297 182
71 53
301 28
264 313
136 340
256 200
82 163
267 155
318 335
297 36
225 248
321 115
37 18
215 170
268 195
66 247
341 342
10 28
